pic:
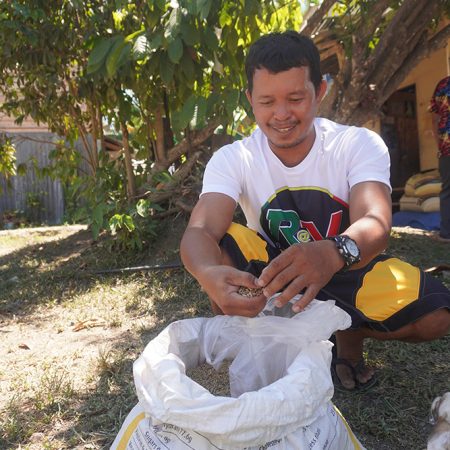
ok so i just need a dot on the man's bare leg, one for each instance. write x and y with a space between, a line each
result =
350 342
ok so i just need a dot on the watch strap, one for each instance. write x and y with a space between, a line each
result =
342 244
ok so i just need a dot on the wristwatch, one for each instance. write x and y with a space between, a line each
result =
348 249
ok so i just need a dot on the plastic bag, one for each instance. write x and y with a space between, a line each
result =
280 384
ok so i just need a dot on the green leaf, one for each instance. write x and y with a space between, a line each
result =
188 68
211 102
225 19
98 55
142 207
21 169
204 13
251 7
175 50
141 47
188 109
131 37
176 119
172 27
190 34
231 39
204 6
116 55
97 215
115 223
95 230
111 95
232 101
128 222
152 20
211 39
161 4
200 4
199 118
156 41
191 7
166 70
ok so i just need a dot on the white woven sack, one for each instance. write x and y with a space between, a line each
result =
279 380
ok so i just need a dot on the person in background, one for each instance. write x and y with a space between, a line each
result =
440 107
316 198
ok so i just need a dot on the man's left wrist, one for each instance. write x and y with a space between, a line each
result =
348 250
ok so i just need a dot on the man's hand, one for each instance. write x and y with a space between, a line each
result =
307 266
202 257
221 283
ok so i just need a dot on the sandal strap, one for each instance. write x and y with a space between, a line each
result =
345 362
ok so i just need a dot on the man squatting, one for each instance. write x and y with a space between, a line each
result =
316 198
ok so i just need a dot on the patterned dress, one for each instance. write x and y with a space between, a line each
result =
440 104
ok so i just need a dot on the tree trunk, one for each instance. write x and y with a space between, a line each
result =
159 130
131 184
94 131
367 76
100 128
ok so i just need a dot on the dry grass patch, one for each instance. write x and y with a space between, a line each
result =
70 337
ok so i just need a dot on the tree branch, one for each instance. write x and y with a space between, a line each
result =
421 51
310 25
196 138
367 31
21 138
414 34
185 169
395 33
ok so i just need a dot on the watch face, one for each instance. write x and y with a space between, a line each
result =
352 248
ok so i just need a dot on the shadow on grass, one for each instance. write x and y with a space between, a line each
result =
95 416
392 415
419 249
52 272
115 388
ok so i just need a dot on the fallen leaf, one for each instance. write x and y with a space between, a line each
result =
24 346
89 323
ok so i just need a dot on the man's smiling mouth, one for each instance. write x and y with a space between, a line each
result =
284 129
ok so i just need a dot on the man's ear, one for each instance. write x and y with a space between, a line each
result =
322 90
249 97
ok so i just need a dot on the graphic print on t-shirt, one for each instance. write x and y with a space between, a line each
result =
303 214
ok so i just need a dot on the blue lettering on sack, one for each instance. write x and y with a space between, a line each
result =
151 442
181 432
269 444
315 439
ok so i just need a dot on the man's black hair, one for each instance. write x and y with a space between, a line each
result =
278 52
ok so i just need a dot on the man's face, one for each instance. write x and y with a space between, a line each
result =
285 105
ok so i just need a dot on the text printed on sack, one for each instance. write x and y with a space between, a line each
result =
173 429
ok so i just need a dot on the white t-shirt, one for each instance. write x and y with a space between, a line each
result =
302 203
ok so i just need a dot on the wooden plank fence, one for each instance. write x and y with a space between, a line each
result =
39 199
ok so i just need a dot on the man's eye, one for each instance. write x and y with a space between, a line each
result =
295 100
266 103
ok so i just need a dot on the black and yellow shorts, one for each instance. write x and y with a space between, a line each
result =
385 295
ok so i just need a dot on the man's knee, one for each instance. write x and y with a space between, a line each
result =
429 327
432 326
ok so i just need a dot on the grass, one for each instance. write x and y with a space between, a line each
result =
70 336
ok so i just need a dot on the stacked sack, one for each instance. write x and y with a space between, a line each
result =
422 192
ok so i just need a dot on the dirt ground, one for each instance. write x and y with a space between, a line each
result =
50 335
60 339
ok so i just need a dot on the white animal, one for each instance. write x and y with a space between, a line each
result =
440 417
